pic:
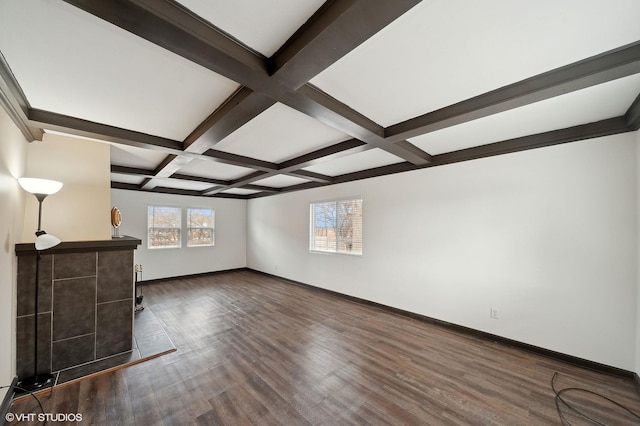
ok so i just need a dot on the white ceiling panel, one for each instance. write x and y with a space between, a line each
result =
442 52
280 181
76 64
596 103
131 156
279 134
213 170
262 25
353 163
240 191
130 179
183 184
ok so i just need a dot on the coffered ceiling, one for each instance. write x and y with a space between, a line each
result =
251 98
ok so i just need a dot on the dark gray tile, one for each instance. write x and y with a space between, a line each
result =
115 275
26 284
25 348
114 328
70 352
154 344
74 307
72 265
146 324
99 365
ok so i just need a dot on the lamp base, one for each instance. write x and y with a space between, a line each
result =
35 383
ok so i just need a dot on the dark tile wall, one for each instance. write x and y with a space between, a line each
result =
85 308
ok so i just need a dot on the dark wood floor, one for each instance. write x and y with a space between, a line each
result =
256 350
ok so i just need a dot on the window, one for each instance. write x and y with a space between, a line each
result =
164 224
336 226
200 227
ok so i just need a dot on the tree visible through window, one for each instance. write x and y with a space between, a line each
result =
336 226
200 229
164 224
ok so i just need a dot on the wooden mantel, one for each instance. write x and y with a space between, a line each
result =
121 243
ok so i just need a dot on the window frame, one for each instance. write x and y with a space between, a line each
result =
313 246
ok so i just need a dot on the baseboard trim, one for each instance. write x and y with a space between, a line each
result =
201 274
8 399
592 365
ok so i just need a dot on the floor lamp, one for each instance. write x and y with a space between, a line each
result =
41 188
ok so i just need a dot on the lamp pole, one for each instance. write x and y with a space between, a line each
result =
40 188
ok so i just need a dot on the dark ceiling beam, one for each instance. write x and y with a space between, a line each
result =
601 128
312 176
608 66
632 116
608 127
262 188
173 27
238 183
265 167
169 25
89 129
333 152
336 29
15 103
245 182
191 178
241 107
170 165
126 170
240 160
135 171
85 128
320 105
293 188
174 191
294 166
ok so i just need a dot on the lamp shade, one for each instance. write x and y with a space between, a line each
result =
46 241
40 186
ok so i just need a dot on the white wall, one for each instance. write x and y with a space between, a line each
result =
637 369
12 165
81 210
229 251
547 237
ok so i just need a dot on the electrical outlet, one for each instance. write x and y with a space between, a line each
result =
493 313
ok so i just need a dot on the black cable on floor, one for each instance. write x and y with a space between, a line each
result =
30 393
558 399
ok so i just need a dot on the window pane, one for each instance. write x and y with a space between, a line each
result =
349 226
200 227
200 237
164 227
324 227
164 237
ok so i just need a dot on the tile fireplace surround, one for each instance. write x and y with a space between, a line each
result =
85 306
